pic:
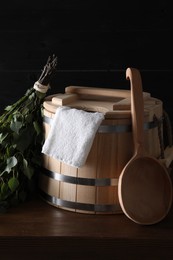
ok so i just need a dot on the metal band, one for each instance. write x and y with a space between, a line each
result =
80 206
80 181
116 128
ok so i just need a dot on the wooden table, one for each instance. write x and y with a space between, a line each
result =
37 230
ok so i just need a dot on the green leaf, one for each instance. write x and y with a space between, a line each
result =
37 127
25 139
4 191
11 162
25 111
10 150
4 188
29 118
8 108
16 124
13 183
28 171
3 136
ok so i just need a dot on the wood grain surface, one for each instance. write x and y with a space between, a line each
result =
37 230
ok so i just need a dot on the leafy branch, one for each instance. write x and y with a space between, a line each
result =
21 139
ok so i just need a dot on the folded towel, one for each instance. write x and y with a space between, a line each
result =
71 135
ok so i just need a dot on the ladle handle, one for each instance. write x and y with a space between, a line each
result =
137 109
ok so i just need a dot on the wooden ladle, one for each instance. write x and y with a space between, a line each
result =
145 187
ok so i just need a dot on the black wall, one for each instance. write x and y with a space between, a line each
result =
95 42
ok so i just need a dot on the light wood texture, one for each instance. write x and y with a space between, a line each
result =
110 152
64 99
114 107
100 92
145 188
121 96
168 156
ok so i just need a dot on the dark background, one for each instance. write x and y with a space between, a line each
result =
95 41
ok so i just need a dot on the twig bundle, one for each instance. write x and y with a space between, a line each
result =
21 140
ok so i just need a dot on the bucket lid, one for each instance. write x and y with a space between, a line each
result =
114 103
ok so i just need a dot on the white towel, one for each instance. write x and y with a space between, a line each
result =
71 135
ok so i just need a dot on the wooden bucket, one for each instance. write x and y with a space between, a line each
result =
93 188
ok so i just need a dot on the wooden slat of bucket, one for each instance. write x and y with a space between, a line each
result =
48 114
125 146
168 156
151 137
49 162
108 152
54 165
107 166
46 129
68 190
86 193
49 186
152 142
110 149
45 161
